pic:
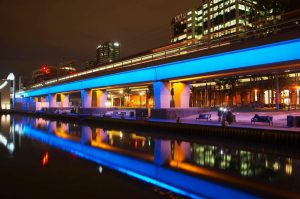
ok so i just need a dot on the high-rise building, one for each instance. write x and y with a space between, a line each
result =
184 26
107 52
66 68
91 63
213 19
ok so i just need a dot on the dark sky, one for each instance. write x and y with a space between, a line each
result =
36 32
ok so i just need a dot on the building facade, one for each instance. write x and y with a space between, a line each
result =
45 72
107 52
213 19
5 94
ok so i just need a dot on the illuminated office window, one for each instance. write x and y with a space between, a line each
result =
285 97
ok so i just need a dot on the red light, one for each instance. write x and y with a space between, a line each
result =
45 159
45 69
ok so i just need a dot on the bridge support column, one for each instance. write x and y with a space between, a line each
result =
34 99
52 100
162 95
162 152
101 98
64 100
277 93
86 98
182 151
181 95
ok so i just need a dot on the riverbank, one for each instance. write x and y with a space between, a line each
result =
241 130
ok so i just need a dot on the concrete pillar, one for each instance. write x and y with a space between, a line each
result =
162 95
86 135
86 98
182 151
34 99
162 152
181 95
277 92
52 100
64 100
101 98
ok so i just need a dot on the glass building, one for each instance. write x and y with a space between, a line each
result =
107 52
213 19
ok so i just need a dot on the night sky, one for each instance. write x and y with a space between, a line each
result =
36 32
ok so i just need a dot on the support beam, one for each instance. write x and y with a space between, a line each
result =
181 95
101 98
52 100
162 95
34 99
277 93
64 100
86 98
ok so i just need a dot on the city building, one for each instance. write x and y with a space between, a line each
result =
46 72
43 73
7 92
184 26
213 19
91 63
66 68
107 52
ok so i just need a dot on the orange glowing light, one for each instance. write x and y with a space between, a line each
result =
135 144
45 159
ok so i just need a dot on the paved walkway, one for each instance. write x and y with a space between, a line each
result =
243 120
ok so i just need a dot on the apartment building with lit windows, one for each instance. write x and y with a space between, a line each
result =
213 19
107 52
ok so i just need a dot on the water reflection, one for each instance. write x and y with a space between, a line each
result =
7 137
243 162
119 147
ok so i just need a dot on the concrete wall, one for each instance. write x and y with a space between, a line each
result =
172 113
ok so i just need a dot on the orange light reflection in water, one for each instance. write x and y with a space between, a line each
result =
45 159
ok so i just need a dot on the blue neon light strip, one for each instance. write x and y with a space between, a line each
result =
267 54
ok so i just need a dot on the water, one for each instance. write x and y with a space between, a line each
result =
43 158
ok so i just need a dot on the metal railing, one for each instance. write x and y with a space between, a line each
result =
264 31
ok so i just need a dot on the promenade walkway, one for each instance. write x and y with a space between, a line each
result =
243 120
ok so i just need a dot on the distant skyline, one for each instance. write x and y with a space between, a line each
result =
34 33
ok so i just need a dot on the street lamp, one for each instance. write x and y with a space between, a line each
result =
11 77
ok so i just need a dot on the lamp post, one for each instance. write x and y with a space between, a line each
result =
12 78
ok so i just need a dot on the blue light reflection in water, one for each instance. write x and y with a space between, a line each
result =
180 183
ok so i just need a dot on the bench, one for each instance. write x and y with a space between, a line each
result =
264 119
204 116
